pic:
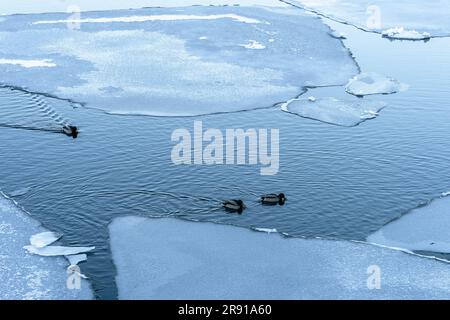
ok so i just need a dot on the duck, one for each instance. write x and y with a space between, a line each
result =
234 205
70 131
273 199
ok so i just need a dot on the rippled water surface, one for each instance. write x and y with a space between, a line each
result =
340 182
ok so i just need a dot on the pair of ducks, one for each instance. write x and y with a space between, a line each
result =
267 199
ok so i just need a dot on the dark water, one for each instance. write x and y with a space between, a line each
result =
340 182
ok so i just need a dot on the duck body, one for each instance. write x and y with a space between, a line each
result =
234 205
273 199
70 131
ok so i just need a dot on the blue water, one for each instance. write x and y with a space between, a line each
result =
342 183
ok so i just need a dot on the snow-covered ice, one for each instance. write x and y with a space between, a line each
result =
44 239
52 251
160 17
424 229
348 113
402 34
25 276
152 62
254 45
368 83
266 230
33 6
378 15
43 63
173 259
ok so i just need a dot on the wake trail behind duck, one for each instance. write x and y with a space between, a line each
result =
29 111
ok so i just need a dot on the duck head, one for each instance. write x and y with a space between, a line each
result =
281 199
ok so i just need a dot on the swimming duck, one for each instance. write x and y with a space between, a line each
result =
234 205
272 199
70 131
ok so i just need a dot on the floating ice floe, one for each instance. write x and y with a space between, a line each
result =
76 258
368 83
150 61
26 276
52 251
154 261
73 254
401 34
145 18
266 230
347 113
378 15
423 229
44 63
44 239
253 45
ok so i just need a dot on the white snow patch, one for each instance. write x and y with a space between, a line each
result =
253 45
368 83
266 230
401 34
6 228
425 228
51 251
43 239
174 259
162 17
44 63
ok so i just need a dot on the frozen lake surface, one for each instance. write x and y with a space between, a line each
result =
173 259
185 61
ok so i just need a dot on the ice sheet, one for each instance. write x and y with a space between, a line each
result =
44 239
378 15
348 113
174 259
425 228
247 58
25 276
33 6
44 63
